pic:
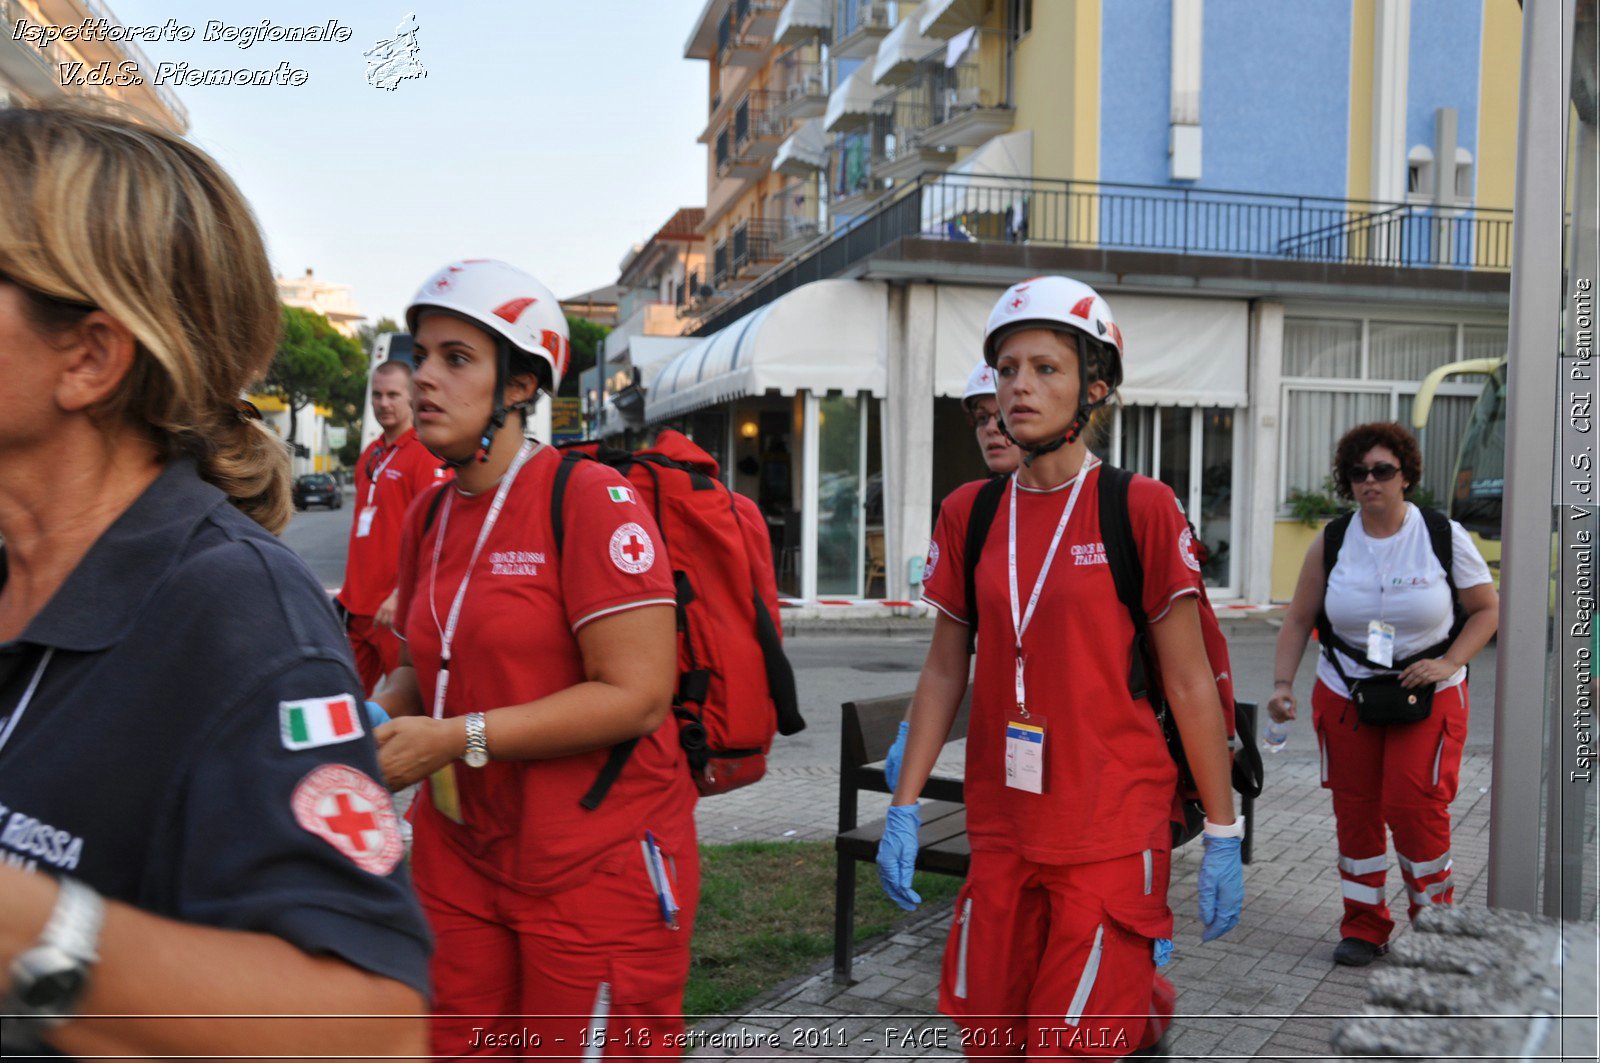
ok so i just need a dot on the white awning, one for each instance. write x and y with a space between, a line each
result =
901 51
650 355
803 152
801 20
1180 351
946 18
852 103
968 187
825 336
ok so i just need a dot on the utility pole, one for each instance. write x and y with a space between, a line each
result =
1522 702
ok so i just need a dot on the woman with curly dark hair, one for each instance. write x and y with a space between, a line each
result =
1401 601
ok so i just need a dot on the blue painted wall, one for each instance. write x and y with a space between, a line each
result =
1446 38
1274 95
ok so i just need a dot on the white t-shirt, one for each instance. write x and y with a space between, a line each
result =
1399 581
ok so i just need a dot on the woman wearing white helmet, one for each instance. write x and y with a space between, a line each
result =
1069 785
523 668
1000 454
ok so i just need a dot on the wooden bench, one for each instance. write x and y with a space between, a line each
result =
867 732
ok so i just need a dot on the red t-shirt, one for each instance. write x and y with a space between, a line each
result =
515 642
403 471
1109 781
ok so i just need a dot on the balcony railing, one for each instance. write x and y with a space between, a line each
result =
724 153
797 214
745 31
1198 222
858 25
970 85
801 83
756 123
755 243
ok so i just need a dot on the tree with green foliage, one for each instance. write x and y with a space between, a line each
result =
316 365
588 341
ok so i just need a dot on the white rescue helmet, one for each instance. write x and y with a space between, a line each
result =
509 304
1057 303
980 384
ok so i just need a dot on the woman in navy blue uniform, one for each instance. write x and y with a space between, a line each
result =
190 817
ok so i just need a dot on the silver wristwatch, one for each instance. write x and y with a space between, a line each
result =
48 978
477 754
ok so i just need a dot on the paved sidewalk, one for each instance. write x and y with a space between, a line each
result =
1268 989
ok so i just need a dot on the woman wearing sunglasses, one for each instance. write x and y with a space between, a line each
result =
1390 701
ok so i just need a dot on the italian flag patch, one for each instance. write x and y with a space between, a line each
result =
319 721
620 494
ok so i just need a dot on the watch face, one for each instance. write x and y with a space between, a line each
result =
475 758
52 990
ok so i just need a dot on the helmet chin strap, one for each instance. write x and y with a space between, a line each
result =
1035 450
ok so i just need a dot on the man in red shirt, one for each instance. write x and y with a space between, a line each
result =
389 474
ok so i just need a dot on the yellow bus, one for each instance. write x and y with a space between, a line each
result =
1479 479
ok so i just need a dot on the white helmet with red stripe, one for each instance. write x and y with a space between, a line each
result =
508 303
980 384
1066 305
1058 303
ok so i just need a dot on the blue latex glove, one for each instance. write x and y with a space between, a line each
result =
897 855
1221 886
376 717
891 763
1163 951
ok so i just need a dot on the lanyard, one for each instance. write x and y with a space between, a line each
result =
447 631
1020 621
1384 567
372 488
27 696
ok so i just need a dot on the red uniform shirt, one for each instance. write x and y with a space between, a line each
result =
515 642
1109 781
402 472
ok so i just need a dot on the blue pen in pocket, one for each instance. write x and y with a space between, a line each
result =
660 881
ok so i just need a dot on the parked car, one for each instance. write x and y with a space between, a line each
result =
317 489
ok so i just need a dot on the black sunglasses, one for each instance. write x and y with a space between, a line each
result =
1382 472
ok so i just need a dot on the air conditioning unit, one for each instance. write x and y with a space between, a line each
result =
796 91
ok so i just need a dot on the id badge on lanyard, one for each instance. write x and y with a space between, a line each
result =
442 786
1025 754
1025 731
370 510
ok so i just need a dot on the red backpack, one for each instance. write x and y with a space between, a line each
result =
735 686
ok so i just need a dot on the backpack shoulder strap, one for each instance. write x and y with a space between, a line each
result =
979 521
1122 552
1442 539
1332 541
558 495
433 508
1443 543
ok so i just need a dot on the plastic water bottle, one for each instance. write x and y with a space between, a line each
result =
1275 735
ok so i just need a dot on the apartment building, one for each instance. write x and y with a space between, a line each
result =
657 281
31 71
1294 218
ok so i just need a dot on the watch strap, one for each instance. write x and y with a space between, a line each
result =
477 751
75 921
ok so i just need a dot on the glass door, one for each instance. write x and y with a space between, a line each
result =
1194 451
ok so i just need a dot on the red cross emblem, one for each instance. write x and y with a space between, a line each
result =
350 822
352 813
631 549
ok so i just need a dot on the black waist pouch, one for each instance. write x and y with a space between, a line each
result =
1381 699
